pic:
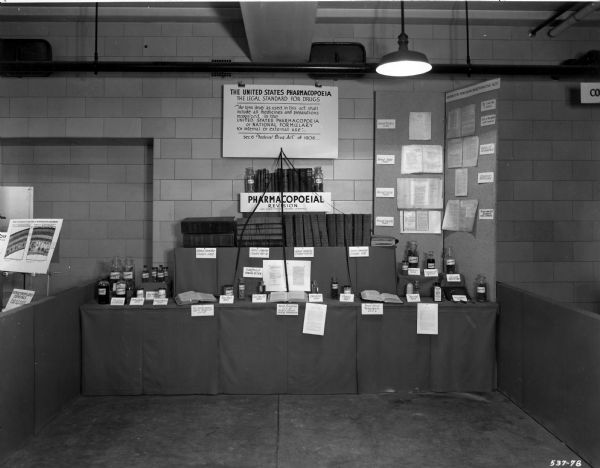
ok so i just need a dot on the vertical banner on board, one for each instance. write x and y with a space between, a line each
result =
259 120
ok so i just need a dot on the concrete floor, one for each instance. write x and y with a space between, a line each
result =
391 430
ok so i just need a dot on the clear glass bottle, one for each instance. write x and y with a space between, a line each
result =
412 255
409 288
318 179
121 288
249 180
335 288
241 289
437 292
129 272
145 274
481 288
115 273
449 261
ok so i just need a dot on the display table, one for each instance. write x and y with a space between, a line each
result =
247 349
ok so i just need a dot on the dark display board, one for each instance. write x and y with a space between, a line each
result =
472 117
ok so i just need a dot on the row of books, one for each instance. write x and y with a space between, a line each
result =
284 180
305 230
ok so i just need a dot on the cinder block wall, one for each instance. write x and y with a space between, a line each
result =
547 208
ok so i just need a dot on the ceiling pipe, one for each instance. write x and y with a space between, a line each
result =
574 18
23 68
564 8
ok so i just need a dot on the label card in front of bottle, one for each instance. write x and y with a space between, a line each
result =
287 309
117 301
136 301
453 278
225 299
413 297
314 297
160 301
430 273
346 297
203 310
414 272
259 298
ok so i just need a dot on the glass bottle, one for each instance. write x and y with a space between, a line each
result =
261 288
160 274
168 281
481 288
404 268
437 292
449 261
314 287
412 255
409 288
115 273
103 291
241 289
318 179
145 274
430 265
154 274
249 180
121 288
129 271
416 287
335 288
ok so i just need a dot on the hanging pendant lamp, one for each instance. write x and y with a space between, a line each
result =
404 62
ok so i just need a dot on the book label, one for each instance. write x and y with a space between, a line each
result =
203 310
206 252
304 252
362 251
225 299
371 309
346 297
259 252
287 309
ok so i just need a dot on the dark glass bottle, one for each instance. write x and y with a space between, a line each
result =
335 289
103 291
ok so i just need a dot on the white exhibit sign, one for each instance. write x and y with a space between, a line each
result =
590 93
260 120
19 297
30 245
300 202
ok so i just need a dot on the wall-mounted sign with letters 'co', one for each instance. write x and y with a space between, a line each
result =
590 93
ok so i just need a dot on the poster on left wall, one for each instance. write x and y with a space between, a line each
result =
29 245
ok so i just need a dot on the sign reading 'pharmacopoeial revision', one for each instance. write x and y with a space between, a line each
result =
292 202
260 120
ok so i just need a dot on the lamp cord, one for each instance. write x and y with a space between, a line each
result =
467 29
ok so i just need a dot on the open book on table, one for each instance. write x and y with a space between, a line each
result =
193 297
376 296
289 296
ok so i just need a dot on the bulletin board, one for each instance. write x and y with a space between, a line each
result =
471 176
406 121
